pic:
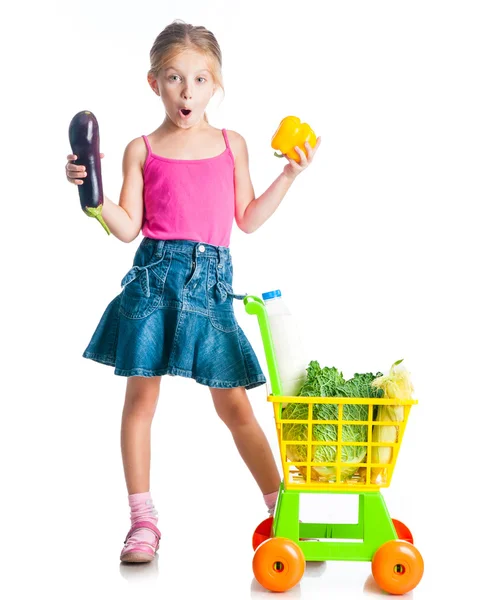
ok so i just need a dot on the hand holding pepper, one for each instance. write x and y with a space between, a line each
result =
292 138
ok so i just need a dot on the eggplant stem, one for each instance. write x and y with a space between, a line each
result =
279 155
96 214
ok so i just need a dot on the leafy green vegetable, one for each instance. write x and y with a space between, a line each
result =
321 382
329 382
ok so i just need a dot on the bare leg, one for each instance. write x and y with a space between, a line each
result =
139 407
233 407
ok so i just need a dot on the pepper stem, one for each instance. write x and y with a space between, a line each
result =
96 214
278 155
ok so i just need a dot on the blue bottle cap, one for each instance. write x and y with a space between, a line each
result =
269 295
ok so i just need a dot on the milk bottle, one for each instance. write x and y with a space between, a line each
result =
289 351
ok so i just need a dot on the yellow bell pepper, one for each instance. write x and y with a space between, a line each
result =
291 132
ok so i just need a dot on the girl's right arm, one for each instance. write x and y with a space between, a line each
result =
124 219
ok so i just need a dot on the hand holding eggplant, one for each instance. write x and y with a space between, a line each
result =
74 171
84 139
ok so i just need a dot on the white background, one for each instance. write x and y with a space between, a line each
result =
374 249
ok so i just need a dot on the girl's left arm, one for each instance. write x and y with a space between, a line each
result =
252 212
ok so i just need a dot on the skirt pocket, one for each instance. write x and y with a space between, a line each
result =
143 287
220 296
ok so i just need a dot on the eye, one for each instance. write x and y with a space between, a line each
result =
203 78
171 76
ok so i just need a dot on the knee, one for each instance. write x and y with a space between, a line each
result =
141 406
235 412
144 406
141 402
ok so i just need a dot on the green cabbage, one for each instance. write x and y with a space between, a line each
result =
329 382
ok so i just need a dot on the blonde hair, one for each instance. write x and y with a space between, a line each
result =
179 36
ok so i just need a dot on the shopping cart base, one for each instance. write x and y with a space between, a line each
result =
283 544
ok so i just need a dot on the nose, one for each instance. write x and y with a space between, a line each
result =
186 92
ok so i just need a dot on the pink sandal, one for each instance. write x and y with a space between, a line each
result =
138 552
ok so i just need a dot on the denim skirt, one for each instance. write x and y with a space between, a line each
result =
175 316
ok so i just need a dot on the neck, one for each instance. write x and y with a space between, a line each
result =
171 127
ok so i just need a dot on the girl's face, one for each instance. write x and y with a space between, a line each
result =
186 87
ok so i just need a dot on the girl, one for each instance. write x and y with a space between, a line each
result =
183 186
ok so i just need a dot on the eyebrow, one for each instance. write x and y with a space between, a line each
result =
175 69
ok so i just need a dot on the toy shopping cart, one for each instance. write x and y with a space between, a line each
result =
317 464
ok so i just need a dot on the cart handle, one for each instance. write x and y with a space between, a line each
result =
255 306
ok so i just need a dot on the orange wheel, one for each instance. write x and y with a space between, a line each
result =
262 532
278 564
402 531
397 567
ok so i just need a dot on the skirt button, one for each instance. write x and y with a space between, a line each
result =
201 248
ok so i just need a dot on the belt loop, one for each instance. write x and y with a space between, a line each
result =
159 248
222 257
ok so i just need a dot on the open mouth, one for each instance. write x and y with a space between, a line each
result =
185 112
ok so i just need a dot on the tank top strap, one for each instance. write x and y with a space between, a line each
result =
147 145
226 139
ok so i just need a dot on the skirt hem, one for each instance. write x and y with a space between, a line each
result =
139 372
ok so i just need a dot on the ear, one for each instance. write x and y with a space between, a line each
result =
153 84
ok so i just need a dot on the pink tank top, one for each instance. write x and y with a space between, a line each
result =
189 199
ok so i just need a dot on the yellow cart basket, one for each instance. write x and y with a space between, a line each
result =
363 465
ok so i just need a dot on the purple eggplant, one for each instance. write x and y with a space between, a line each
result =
84 137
